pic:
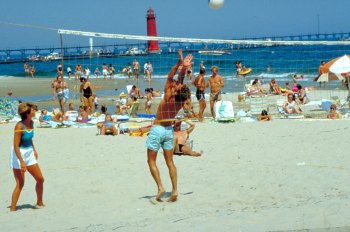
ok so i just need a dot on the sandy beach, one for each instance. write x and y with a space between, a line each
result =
24 87
284 175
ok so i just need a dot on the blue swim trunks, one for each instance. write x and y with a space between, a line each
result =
160 136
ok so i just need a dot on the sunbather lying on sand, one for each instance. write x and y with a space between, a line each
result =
108 126
56 116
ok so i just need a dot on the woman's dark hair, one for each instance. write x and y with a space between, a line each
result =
182 94
202 71
299 86
103 109
255 82
264 112
82 79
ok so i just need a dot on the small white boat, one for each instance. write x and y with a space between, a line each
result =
213 52
52 56
135 51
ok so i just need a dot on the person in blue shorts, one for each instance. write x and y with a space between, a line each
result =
161 134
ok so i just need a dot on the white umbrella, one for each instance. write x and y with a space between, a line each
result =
339 65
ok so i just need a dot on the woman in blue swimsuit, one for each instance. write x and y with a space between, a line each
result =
24 156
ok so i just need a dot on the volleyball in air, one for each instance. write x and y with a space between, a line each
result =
215 4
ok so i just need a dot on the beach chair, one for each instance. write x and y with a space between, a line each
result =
281 111
224 111
134 109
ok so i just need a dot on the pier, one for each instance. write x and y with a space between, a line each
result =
113 50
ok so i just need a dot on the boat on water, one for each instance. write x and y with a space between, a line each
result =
52 56
34 58
213 52
134 51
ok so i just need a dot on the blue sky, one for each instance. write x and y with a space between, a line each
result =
175 18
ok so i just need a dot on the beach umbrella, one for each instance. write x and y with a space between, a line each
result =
329 76
338 65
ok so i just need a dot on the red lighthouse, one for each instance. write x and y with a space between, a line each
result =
152 31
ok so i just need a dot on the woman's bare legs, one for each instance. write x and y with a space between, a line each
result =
35 171
19 177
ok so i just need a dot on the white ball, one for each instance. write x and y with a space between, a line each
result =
215 4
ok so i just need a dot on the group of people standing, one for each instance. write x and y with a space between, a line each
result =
215 82
29 70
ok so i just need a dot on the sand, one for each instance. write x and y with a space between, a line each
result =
275 176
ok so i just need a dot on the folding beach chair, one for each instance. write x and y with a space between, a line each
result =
280 110
224 111
134 109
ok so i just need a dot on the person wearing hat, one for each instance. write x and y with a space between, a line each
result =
122 104
24 156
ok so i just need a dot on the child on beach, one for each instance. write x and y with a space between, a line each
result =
333 114
24 156
148 102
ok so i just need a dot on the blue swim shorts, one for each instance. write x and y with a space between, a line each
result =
160 136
